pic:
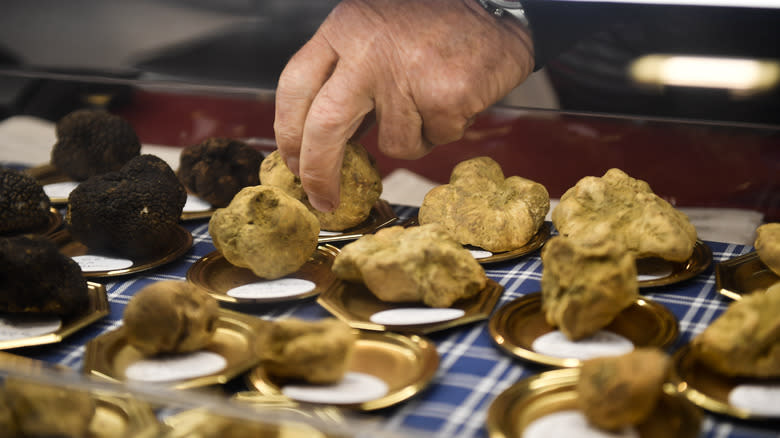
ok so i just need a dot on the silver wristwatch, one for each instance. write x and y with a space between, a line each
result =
500 8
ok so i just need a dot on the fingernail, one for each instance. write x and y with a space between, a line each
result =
294 165
321 204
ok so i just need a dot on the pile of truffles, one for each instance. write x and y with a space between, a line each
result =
416 264
618 207
482 208
361 186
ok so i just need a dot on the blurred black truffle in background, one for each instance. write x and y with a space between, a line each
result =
92 142
35 277
24 205
218 168
131 212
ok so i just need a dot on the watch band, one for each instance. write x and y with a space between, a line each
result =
500 8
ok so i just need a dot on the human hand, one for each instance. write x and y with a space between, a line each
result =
424 68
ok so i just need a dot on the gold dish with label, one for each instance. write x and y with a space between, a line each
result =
743 275
53 223
406 364
96 310
674 272
515 326
354 304
709 389
48 174
554 391
180 243
217 276
381 215
109 355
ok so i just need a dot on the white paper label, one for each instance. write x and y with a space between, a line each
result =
280 288
97 263
415 315
324 233
480 253
759 399
176 367
571 424
59 190
195 204
602 343
353 388
26 326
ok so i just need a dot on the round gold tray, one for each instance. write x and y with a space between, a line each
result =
554 391
381 215
515 326
216 275
743 275
110 355
405 363
181 242
709 389
699 261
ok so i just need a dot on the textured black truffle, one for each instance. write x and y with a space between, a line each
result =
216 169
131 212
92 142
35 277
23 203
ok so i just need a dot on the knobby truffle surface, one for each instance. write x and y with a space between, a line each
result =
23 203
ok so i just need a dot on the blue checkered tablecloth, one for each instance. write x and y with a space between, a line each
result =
473 371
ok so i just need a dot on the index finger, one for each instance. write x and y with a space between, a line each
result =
335 114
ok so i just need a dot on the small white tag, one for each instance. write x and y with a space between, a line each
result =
195 204
324 233
280 288
602 343
97 263
176 367
353 388
571 424
415 315
26 326
480 253
60 190
757 398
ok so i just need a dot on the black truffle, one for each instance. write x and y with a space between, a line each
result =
23 203
131 212
216 169
35 277
92 142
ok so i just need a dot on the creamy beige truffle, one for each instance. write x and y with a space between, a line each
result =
416 264
586 285
265 230
314 351
170 317
619 207
482 208
745 339
48 411
767 245
618 391
361 186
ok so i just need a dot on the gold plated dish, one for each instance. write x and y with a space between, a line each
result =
122 417
515 326
354 304
49 174
180 243
532 398
110 356
743 275
674 272
53 223
405 363
381 215
96 310
709 389
216 275
536 242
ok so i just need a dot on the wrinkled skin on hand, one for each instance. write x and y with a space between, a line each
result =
424 68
